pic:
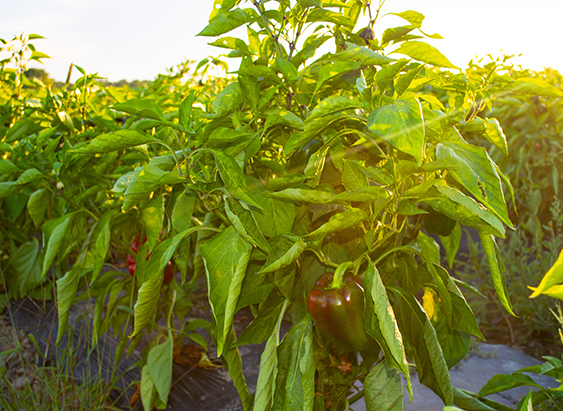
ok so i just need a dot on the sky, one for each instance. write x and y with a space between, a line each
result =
138 39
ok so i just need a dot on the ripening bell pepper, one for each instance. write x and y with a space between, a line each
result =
338 311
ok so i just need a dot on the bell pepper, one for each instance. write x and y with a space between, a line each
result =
132 263
336 304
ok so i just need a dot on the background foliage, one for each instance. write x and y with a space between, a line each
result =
366 159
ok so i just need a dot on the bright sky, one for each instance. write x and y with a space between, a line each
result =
138 39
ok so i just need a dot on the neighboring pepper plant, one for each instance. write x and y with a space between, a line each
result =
264 229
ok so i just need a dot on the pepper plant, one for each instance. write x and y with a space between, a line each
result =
352 162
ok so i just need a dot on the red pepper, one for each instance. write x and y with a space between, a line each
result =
131 262
337 307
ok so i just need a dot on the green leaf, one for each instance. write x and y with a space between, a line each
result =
266 383
341 221
141 108
118 140
497 269
232 43
66 290
185 111
55 240
420 336
148 392
295 382
288 70
353 177
495 135
383 389
413 17
159 363
331 105
226 257
245 224
334 69
152 216
430 249
503 382
553 276
142 183
233 363
457 206
282 118
381 323
533 86
403 82
468 401
424 52
101 234
264 321
451 244
281 255
37 55
275 217
23 272
233 177
29 176
146 303
397 34
385 76
402 125
7 167
37 205
476 172
225 21
324 15
527 404
363 55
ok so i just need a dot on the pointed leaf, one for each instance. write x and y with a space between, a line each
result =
402 125
424 52
118 140
226 257
383 389
141 108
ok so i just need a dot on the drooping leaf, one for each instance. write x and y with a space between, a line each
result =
451 244
494 133
56 238
245 224
226 257
295 382
23 271
146 303
66 290
233 363
381 323
383 389
159 363
233 177
497 269
476 172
